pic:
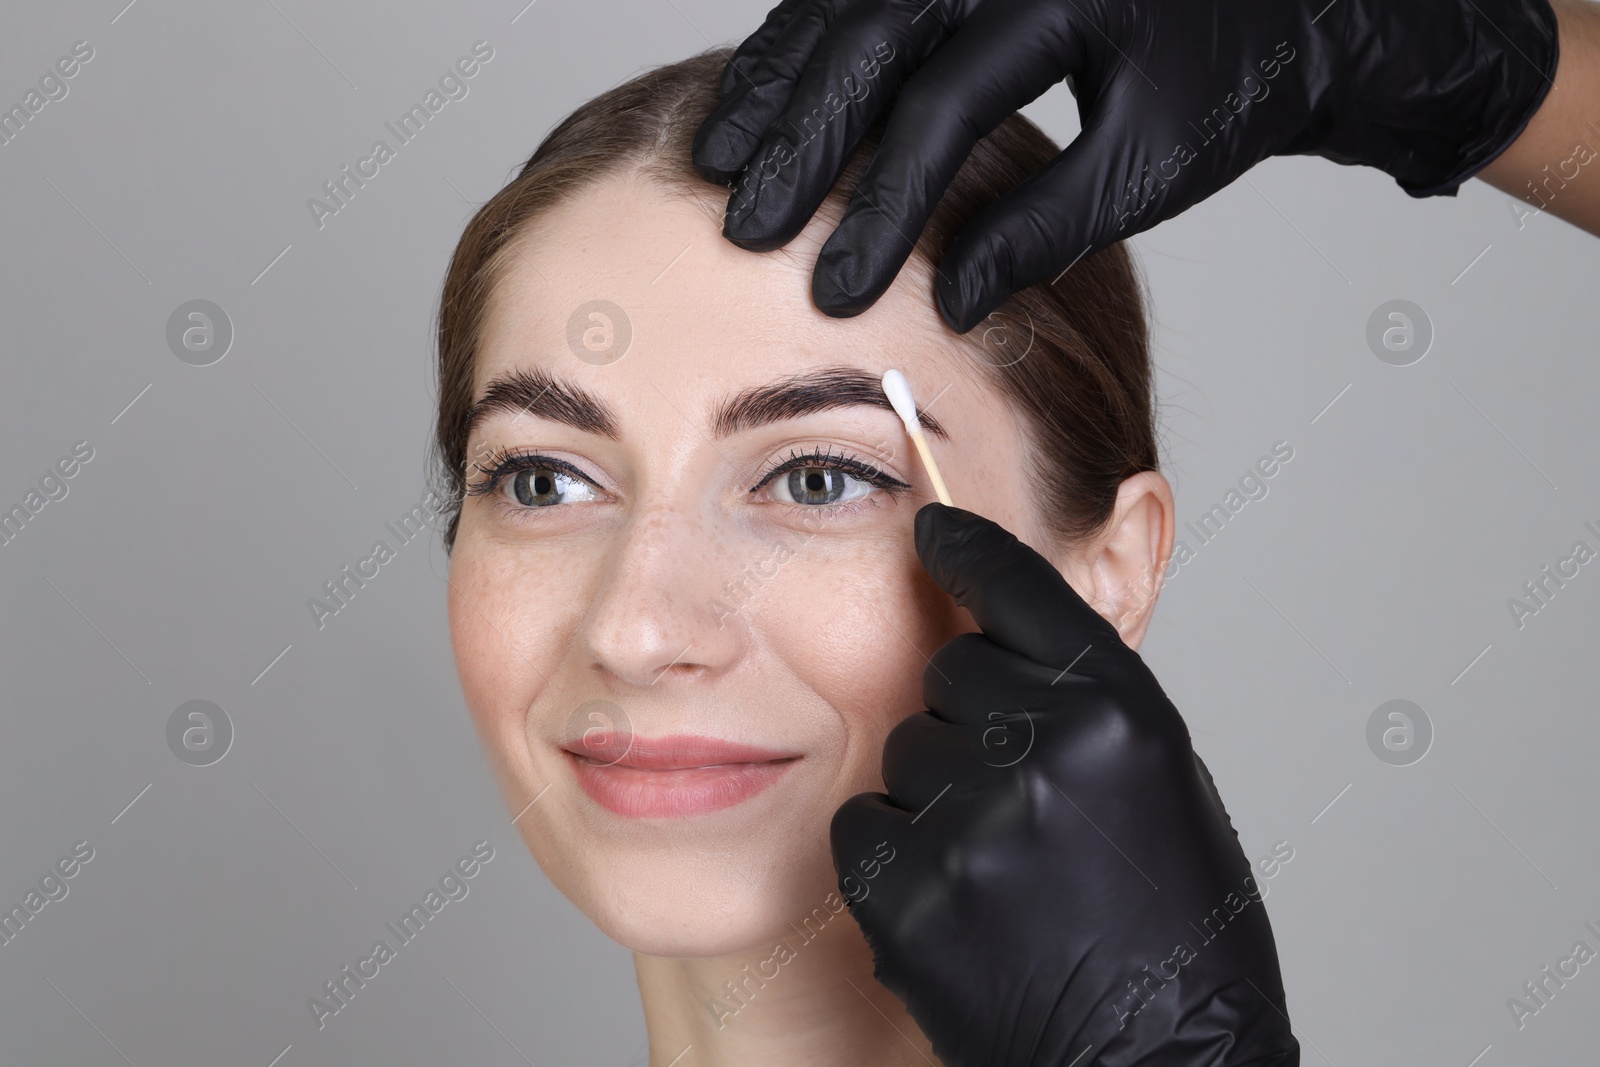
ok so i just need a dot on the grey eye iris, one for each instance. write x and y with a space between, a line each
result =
535 487
816 485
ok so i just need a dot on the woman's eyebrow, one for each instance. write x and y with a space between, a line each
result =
536 392
803 394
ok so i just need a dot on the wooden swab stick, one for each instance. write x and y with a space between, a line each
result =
898 391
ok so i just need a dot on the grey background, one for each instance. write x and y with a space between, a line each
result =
178 566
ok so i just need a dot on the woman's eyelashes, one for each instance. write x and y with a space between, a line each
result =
825 478
529 480
816 478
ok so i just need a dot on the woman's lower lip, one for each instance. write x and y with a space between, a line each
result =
686 791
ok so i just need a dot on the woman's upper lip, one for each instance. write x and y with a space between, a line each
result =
673 752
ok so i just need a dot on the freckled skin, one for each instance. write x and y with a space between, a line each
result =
669 597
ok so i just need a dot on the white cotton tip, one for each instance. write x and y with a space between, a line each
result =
898 390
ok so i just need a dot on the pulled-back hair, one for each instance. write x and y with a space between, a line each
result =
1070 355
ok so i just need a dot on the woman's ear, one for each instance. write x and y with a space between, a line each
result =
1119 574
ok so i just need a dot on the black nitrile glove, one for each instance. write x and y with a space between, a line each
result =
1177 99
1052 873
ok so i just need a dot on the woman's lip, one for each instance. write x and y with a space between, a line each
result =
680 792
675 752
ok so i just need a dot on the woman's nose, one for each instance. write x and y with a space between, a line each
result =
664 609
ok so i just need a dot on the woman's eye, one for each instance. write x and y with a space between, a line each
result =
541 487
818 485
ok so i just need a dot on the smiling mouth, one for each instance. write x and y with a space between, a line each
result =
672 777
674 752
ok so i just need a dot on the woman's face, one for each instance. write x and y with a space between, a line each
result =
708 536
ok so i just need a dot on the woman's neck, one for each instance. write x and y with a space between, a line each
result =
809 999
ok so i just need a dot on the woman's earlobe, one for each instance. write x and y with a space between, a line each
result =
1130 605
1125 605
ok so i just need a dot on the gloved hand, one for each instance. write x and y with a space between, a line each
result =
1177 98
1052 871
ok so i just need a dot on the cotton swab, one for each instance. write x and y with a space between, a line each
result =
898 390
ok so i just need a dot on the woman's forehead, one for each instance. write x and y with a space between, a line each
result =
628 270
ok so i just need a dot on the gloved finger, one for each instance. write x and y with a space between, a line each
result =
960 683
924 757
901 908
868 829
1016 596
730 136
982 74
865 55
736 74
1081 722
1077 205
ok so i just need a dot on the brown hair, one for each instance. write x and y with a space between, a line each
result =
1082 381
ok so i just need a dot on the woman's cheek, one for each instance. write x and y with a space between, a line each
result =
849 619
514 609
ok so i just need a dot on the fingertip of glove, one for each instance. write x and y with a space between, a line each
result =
859 261
951 319
714 173
712 154
962 301
829 292
929 521
747 225
727 139
936 522
740 234
761 215
944 534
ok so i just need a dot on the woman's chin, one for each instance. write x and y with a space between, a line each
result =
688 921
704 934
